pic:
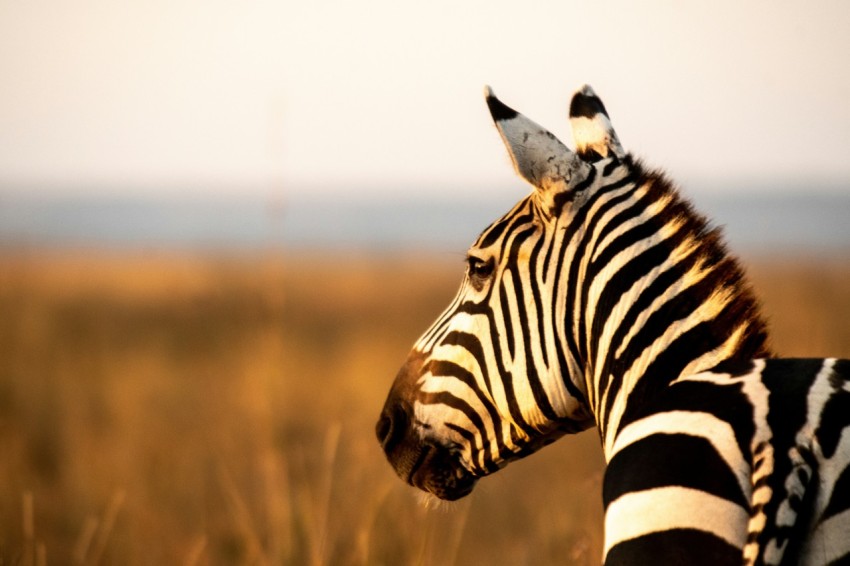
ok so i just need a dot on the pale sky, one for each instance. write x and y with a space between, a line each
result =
385 96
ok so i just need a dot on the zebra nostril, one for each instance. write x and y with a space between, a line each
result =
384 428
391 426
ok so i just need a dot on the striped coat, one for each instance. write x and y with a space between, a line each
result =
602 299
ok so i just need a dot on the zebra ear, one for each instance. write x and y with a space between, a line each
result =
538 156
593 134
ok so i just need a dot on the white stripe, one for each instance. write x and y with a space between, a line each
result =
693 276
428 339
621 259
718 432
655 510
609 215
830 470
829 542
519 365
723 352
819 393
705 311
626 300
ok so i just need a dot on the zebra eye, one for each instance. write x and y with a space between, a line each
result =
479 268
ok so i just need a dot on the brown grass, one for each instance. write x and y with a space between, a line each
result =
168 409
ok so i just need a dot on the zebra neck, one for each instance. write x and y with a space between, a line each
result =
657 297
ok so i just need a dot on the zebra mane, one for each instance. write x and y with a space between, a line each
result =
596 139
722 276
712 249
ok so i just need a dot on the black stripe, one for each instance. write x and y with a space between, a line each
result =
611 166
482 308
644 300
584 106
450 400
445 368
510 247
547 261
499 110
835 416
584 183
581 219
619 283
471 344
506 224
446 315
676 309
728 403
563 197
513 404
507 378
670 363
625 240
535 286
507 319
631 237
676 547
788 382
663 460
532 374
687 347
633 270
570 281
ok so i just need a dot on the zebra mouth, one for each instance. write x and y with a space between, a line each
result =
440 473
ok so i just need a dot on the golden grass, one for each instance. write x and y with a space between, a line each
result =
170 409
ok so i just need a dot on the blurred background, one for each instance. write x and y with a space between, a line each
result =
223 225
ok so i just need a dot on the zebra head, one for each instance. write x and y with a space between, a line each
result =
494 378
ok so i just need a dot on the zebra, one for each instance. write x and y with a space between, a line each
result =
603 299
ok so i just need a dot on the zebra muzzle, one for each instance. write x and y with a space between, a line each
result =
421 462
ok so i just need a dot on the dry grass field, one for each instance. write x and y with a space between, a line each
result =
177 409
